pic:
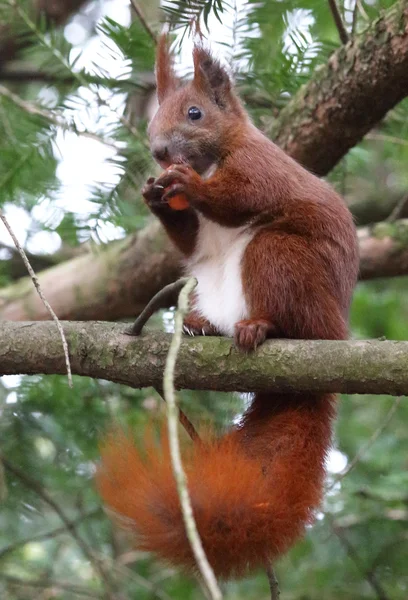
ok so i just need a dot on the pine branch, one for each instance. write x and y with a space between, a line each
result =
56 13
54 118
38 76
46 41
143 20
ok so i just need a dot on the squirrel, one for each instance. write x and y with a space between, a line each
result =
274 251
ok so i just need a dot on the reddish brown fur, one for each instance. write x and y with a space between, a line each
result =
166 79
255 489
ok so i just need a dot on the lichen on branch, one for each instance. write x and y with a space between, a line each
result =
103 350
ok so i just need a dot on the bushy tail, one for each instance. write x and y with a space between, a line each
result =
253 490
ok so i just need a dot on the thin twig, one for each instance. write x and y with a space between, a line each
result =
362 10
34 110
344 37
369 443
47 535
355 18
399 211
273 583
373 135
131 128
34 75
159 301
130 575
184 420
368 575
143 20
179 473
124 121
42 493
47 584
40 293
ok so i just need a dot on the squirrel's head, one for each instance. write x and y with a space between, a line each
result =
196 123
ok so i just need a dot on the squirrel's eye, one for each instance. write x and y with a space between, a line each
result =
194 113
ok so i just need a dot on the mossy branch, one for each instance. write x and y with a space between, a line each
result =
102 350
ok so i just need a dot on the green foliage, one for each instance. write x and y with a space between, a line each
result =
182 13
51 432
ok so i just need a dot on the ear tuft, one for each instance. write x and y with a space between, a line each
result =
166 79
210 76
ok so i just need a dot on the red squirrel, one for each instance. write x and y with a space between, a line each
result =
275 254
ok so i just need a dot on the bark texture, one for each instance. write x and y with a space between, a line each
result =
384 250
110 283
103 351
345 98
118 281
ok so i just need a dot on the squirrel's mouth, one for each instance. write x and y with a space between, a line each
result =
200 164
172 154
165 164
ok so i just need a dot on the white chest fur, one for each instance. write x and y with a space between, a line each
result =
216 264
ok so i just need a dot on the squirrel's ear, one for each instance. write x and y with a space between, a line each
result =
166 79
210 77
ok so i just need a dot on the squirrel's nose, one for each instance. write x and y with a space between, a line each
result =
160 152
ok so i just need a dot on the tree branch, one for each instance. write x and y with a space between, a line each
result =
343 35
384 250
111 283
47 584
273 583
102 350
143 20
365 447
162 299
120 279
48 534
369 575
55 13
336 108
71 527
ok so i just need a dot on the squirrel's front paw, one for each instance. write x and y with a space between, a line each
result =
153 192
196 324
180 179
